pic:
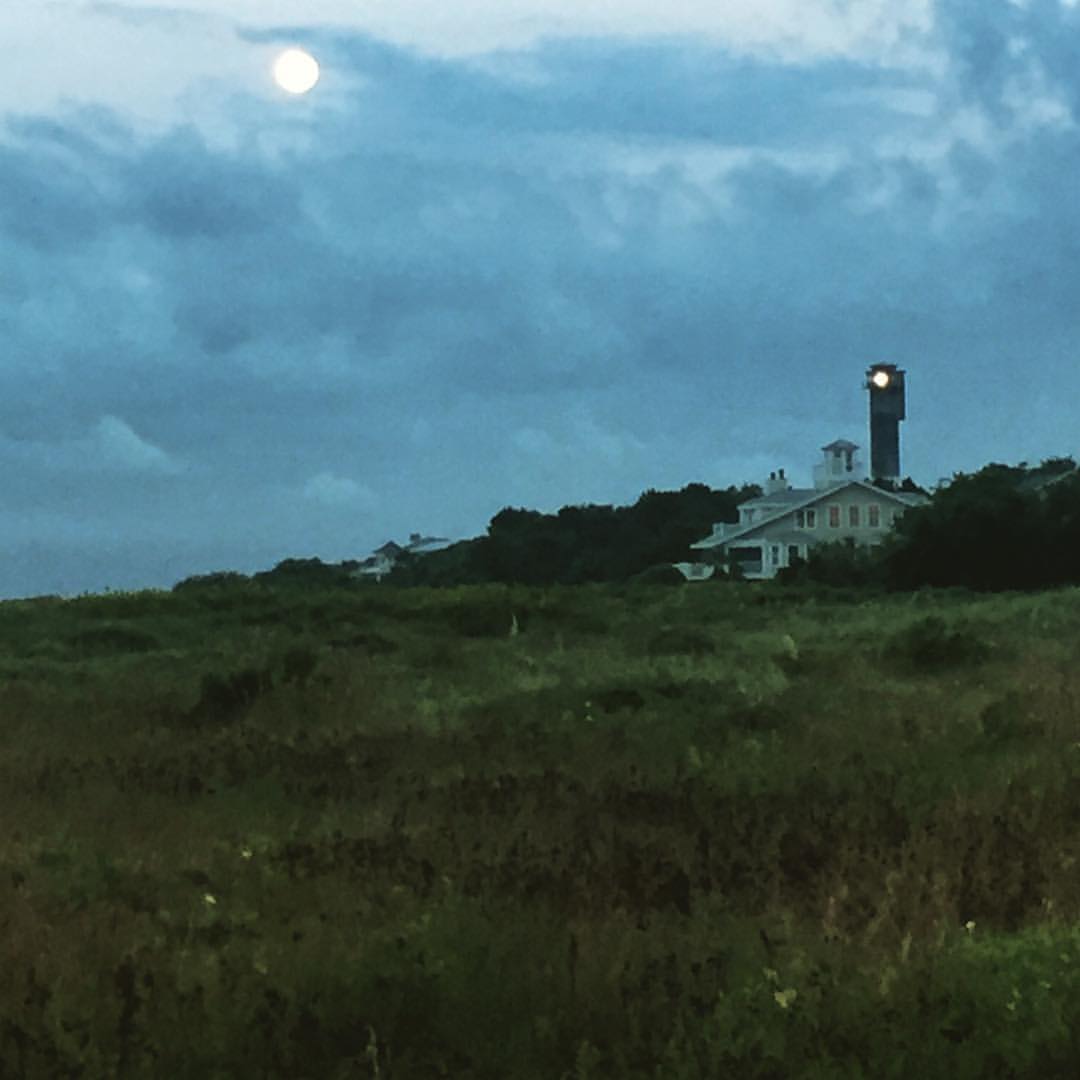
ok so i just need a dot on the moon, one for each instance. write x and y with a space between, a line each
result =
296 71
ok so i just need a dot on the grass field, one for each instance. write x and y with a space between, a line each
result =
717 830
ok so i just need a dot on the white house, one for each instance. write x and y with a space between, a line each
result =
785 522
382 559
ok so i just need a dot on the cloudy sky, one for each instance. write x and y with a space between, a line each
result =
509 253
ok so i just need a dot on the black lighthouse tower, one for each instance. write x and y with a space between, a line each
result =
886 385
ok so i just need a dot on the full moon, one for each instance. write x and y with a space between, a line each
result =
296 71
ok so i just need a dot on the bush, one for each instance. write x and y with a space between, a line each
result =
838 563
225 698
215 580
483 618
930 645
298 664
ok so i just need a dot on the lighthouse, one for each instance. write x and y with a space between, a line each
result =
886 385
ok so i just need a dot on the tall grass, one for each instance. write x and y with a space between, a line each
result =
719 830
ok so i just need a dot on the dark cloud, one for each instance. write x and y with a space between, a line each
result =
46 203
180 189
460 288
996 46
683 90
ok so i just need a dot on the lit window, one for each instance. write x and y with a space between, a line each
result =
874 514
853 516
834 517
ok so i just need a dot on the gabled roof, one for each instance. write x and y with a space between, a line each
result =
389 548
810 496
788 496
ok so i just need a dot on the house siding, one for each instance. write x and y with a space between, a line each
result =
764 549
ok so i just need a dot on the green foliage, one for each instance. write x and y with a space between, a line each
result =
104 640
655 832
665 574
1000 528
220 579
226 698
480 617
680 641
307 574
580 544
458 564
837 564
299 663
930 644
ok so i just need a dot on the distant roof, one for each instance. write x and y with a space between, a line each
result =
841 444
1039 482
424 544
389 548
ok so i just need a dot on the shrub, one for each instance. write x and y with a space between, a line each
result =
218 579
930 645
224 698
483 619
298 664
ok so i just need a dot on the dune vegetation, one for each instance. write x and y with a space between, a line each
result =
698 831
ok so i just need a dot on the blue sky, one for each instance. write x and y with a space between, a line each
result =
510 253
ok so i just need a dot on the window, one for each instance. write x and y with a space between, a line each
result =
853 516
811 518
774 552
874 515
792 553
834 517
800 519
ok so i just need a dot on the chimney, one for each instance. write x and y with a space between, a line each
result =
887 400
776 482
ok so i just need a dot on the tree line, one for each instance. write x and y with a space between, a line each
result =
1003 527
580 544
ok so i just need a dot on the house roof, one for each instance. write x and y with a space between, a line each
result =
425 544
795 536
809 497
789 496
1040 483
389 548
841 444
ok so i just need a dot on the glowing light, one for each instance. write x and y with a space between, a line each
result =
296 71
880 379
